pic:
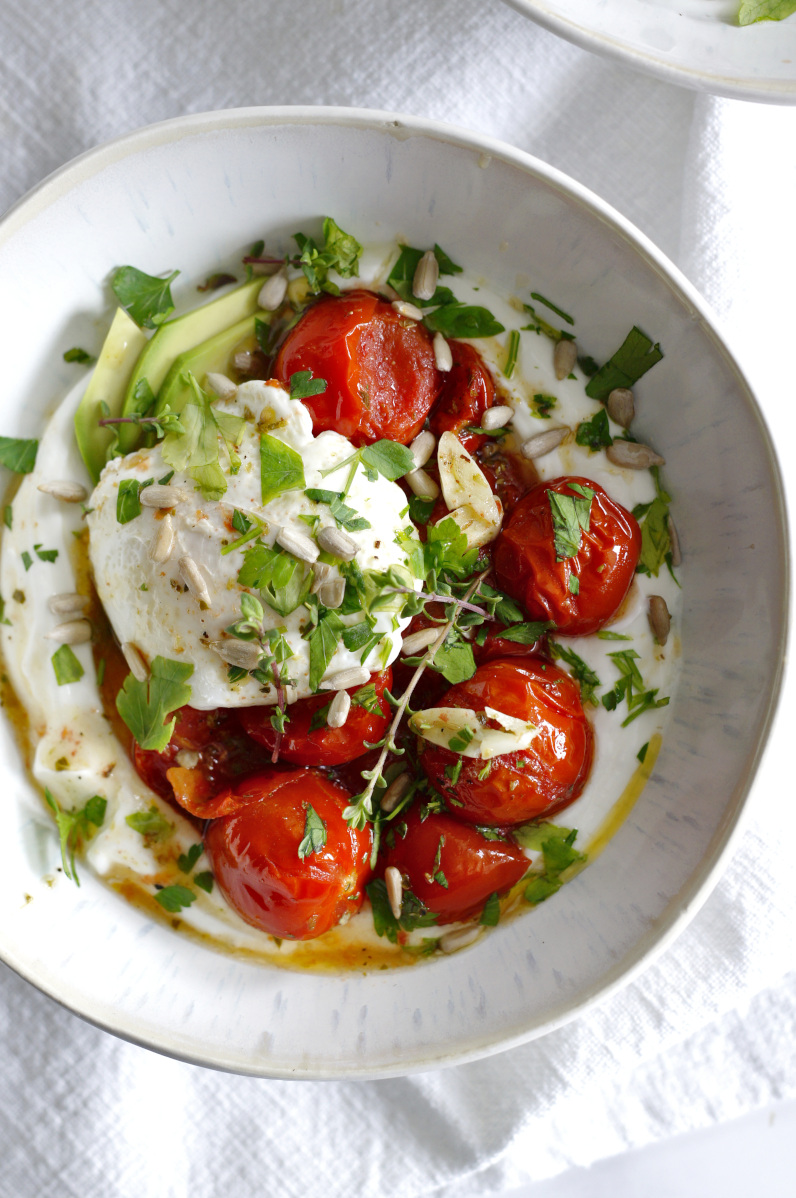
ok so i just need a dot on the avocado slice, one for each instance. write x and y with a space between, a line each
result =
210 355
177 336
123 347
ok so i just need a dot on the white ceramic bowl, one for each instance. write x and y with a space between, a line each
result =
193 193
696 43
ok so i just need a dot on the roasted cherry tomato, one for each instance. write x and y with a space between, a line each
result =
467 392
579 594
303 744
451 867
495 646
206 753
264 862
381 377
543 778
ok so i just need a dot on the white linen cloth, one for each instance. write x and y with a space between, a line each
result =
705 1034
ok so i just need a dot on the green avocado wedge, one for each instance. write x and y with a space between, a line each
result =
121 351
180 335
210 355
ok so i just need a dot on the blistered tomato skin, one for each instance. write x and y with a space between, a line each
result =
323 745
381 377
451 867
526 567
256 863
467 392
536 781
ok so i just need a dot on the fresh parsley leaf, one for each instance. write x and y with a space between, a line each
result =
152 824
445 550
413 913
345 516
490 916
635 356
356 636
145 298
540 325
543 405
512 350
463 320
388 458
281 468
528 633
323 641
303 385
45 555
314 834
18 454
595 434
66 666
76 354
420 509
27 560
582 673
656 544
174 898
570 515
454 660
144 706
340 252
204 880
241 522
605 634
367 698
765 10
8 516
186 861
558 855
75 827
630 687
459 742
402 277
278 576
642 753
194 447
128 499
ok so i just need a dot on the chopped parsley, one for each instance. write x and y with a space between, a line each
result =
66 666
635 356
314 834
145 706
145 298
570 515
75 828
281 468
174 898
76 354
582 673
18 454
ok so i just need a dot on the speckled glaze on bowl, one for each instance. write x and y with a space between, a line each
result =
696 43
193 193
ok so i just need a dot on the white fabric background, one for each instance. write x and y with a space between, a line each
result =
708 1032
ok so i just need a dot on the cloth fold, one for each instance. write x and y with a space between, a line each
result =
706 1033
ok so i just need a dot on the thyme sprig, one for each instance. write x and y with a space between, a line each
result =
360 812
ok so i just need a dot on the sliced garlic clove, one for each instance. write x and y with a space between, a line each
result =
463 482
477 530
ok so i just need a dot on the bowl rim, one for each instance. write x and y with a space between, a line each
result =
771 91
682 908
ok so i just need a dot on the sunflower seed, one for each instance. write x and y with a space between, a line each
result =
343 680
424 283
67 604
497 417
451 942
321 573
422 448
162 496
338 710
659 618
419 640
243 361
422 484
674 541
545 442
565 355
332 592
67 491
395 792
71 632
633 456
187 758
163 541
410 311
621 407
194 579
297 544
395 887
443 355
220 385
243 654
273 292
136 664
338 543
